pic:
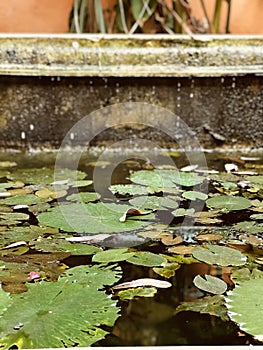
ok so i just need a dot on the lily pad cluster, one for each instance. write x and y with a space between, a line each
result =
47 222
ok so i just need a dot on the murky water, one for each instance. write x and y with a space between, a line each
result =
154 321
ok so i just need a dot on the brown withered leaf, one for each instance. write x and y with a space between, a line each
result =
181 250
134 212
169 240
208 237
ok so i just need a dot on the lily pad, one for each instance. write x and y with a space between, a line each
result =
212 305
112 255
43 176
45 314
131 293
210 284
27 199
251 227
168 270
84 197
228 203
194 195
245 306
153 178
146 259
90 218
183 212
219 255
131 189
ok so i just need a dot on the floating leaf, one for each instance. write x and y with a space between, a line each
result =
251 227
182 250
168 269
212 305
228 203
245 306
131 293
257 217
146 259
131 189
210 284
56 245
46 193
80 183
84 197
187 179
90 218
153 178
208 237
27 199
219 255
155 202
169 240
193 195
143 282
133 212
112 255
46 309
183 212
43 176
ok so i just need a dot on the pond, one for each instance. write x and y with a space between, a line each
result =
130 251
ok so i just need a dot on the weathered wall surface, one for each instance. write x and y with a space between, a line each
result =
222 109
39 111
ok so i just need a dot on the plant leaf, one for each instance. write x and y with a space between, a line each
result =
146 259
212 305
210 284
219 255
245 306
131 293
228 203
90 218
45 311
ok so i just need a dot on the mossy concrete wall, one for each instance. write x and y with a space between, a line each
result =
47 84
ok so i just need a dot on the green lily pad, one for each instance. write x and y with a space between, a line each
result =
131 293
166 178
43 176
183 212
91 218
219 255
210 284
14 216
168 270
43 317
84 197
186 179
193 195
212 305
250 227
131 189
26 199
155 202
80 183
153 178
112 255
146 259
245 306
257 179
257 217
228 203
55 245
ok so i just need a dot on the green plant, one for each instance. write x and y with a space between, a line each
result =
143 16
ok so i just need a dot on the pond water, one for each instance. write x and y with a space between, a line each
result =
188 238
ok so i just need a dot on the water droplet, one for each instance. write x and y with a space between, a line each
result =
191 95
23 135
31 127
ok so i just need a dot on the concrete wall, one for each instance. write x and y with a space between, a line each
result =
220 101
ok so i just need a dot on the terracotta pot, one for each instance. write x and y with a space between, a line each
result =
35 16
